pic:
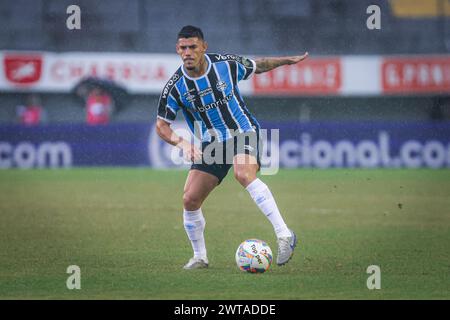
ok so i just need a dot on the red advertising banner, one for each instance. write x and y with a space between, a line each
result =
416 75
310 77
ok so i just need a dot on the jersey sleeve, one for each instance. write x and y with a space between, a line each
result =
168 108
245 68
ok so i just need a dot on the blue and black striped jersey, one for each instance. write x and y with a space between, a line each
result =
213 100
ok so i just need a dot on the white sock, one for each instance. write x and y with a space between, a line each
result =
263 198
194 224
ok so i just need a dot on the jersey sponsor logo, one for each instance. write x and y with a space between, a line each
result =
215 104
221 85
227 57
169 84
26 154
205 92
192 97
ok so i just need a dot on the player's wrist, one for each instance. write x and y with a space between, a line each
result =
180 143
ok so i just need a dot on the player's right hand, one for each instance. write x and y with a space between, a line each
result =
190 151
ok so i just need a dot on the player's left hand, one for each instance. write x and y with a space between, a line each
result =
297 59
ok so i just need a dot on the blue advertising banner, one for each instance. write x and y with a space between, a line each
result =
287 144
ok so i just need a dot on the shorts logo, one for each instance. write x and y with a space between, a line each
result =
221 85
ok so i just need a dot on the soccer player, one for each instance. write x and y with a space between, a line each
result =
205 89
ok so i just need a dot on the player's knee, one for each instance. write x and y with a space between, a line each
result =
191 202
244 177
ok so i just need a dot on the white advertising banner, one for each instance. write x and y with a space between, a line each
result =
60 72
148 73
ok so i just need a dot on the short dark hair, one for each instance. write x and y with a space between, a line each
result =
190 32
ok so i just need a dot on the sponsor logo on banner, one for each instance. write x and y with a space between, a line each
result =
365 153
22 69
123 70
149 73
310 77
411 75
330 145
27 155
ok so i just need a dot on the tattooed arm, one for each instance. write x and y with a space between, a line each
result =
267 64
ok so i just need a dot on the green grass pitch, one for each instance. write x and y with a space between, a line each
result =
123 228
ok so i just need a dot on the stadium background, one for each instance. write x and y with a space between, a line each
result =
365 98
399 73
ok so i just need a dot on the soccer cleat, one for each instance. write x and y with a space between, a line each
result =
196 263
286 246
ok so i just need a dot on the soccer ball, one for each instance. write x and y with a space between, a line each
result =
254 256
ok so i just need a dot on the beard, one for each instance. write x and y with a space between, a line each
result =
189 65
